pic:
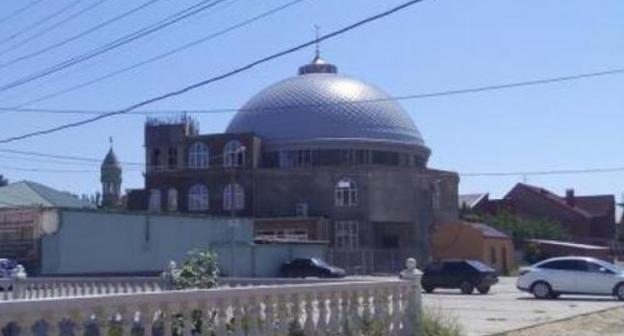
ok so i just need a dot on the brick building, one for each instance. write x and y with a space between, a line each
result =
318 145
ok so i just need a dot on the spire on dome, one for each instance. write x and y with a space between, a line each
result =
318 65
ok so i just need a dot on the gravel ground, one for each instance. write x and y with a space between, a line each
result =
605 323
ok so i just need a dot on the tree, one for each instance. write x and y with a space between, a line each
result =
521 228
3 181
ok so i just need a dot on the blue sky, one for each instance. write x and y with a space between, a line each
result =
432 46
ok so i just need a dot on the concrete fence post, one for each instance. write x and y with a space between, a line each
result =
18 275
413 312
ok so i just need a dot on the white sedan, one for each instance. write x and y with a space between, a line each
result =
572 275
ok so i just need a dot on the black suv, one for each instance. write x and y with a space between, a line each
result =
463 274
311 267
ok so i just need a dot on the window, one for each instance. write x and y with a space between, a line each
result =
288 234
294 159
493 255
154 200
156 159
233 154
172 158
198 198
346 235
233 197
566 265
435 195
346 193
199 155
172 200
302 210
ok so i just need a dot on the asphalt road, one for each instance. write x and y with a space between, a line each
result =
505 308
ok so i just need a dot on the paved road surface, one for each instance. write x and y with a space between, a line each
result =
506 308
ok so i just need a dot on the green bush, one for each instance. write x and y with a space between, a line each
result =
199 270
436 323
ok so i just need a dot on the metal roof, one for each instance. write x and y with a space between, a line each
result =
27 193
325 105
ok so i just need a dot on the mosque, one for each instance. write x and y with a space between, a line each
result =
316 157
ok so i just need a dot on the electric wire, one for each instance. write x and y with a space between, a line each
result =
40 21
168 21
81 34
19 11
160 56
218 77
50 29
504 86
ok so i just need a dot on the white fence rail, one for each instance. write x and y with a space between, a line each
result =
58 287
388 307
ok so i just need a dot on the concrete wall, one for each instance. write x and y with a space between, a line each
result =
98 242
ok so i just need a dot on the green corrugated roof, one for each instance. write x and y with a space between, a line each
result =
27 193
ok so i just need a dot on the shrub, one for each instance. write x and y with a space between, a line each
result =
436 323
199 270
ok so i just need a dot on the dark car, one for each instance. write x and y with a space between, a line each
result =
311 267
465 275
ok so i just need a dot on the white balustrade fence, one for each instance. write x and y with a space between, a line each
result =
389 307
57 287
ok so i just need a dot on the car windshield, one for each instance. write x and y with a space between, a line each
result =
319 262
480 266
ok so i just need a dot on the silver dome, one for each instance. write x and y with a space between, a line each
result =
325 106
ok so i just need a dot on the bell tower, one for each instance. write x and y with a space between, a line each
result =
111 179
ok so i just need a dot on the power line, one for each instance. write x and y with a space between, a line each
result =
184 14
81 34
40 22
216 78
19 11
63 157
546 172
51 28
543 81
44 170
161 56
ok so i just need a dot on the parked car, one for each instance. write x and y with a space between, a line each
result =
550 278
311 267
466 275
6 267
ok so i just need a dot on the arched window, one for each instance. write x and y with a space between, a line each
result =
233 154
198 198
154 200
172 200
199 155
233 197
346 193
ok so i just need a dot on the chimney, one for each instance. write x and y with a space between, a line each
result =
569 198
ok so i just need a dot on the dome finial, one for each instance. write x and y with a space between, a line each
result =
318 65
110 141
317 53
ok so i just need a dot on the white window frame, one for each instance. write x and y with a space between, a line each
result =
347 234
233 197
172 199
233 154
346 193
155 200
199 155
198 198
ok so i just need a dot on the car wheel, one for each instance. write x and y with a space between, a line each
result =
483 289
619 291
541 290
428 289
466 287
